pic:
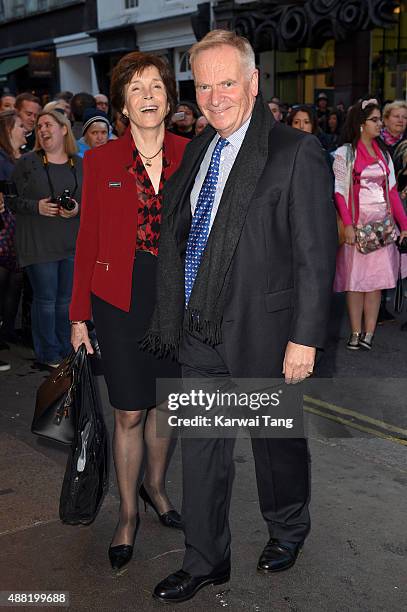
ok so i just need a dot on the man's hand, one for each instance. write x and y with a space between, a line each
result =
2 206
67 214
47 208
298 362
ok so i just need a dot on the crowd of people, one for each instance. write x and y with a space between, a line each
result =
83 183
42 267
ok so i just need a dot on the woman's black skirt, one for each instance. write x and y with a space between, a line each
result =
131 373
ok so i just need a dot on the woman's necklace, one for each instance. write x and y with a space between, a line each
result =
149 159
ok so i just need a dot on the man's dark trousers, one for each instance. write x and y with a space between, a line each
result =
282 473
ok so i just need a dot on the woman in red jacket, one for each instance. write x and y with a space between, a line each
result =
114 281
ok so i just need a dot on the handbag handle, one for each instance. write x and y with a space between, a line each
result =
350 158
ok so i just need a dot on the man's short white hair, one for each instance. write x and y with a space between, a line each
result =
217 38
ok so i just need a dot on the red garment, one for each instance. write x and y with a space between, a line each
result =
106 243
149 204
362 160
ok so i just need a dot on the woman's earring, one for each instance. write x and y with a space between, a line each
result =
361 129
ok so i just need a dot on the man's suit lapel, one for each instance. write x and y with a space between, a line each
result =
239 188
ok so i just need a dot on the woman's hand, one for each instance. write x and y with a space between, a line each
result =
2 206
403 235
68 214
350 234
47 208
79 335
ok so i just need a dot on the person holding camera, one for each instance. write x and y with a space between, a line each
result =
12 137
48 183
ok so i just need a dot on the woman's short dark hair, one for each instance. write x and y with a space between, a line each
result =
304 108
135 63
354 119
8 120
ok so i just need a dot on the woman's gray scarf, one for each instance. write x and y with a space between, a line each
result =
206 305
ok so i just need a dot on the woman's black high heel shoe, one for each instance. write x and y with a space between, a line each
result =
120 555
170 519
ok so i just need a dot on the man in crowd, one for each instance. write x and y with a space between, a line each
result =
275 109
245 271
7 102
79 103
102 102
322 110
28 107
200 125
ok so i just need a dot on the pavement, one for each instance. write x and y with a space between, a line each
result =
355 558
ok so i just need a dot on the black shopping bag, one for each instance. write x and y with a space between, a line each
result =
86 477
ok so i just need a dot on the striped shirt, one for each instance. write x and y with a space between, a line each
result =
227 159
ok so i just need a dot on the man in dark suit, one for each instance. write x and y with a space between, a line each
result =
246 265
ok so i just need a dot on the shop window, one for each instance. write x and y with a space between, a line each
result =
301 73
389 56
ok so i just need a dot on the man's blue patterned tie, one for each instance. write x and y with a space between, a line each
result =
198 234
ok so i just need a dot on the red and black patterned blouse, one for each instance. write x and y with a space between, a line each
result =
150 204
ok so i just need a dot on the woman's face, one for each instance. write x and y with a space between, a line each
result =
396 122
146 102
333 122
302 122
17 134
372 125
50 134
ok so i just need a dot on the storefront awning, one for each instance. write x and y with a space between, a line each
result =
12 64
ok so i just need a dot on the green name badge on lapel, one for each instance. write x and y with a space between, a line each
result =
116 184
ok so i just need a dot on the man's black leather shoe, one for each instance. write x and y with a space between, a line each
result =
278 555
181 586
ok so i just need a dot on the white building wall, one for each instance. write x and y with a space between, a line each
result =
76 70
112 14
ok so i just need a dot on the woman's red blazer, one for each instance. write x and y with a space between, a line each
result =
106 241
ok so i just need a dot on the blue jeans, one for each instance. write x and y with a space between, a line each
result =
52 288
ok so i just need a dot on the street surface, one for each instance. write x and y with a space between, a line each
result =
355 558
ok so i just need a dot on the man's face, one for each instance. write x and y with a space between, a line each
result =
322 104
29 113
102 103
65 106
7 103
97 134
275 109
226 89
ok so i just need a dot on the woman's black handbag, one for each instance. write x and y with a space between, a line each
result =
54 415
86 477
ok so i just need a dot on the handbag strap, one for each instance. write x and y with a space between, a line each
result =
386 180
350 162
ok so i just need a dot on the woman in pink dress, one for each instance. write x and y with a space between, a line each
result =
363 167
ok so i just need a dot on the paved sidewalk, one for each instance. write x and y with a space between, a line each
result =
354 560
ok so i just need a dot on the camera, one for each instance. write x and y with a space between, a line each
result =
65 201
